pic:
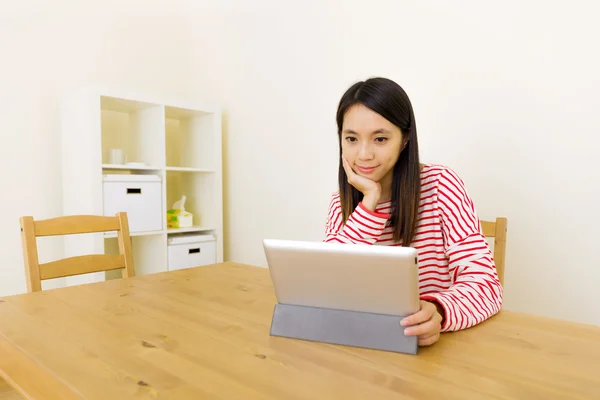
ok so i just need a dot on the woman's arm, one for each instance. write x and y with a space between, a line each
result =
476 292
363 226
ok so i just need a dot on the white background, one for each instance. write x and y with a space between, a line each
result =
504 93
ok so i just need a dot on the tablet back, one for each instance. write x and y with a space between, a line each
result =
375 279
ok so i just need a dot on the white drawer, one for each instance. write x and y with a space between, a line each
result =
188 255
139 196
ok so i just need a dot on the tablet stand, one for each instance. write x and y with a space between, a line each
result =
349 328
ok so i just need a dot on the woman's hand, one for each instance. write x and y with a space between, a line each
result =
370 189
425 323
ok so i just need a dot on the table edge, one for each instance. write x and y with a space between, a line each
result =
19 378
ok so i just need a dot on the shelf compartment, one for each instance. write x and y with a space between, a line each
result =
190 143
135 127
201 194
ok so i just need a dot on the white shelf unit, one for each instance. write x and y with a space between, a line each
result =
177 141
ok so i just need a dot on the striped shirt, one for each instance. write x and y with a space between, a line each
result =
456 267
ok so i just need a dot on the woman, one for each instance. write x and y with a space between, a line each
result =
386 197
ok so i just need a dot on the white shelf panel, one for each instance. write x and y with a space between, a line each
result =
182 113
190 229
123 105
147 233
186 169
130 167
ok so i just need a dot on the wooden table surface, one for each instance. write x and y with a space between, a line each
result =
203 333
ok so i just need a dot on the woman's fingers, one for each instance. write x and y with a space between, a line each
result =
424 314
364 185
426 328
428 340
424 322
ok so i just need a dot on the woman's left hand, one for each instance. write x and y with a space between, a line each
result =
425 323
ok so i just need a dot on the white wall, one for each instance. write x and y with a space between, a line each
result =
504 93
47 48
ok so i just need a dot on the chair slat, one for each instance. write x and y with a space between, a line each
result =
489 228
81 265
76 224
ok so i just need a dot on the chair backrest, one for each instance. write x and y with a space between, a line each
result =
70 225
497 230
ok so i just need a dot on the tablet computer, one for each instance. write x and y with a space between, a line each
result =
354 277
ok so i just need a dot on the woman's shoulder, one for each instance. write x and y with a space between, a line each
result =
446 182
436 173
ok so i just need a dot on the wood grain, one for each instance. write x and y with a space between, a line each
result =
82 265
489 228
500 247
7 392
203 333
76 224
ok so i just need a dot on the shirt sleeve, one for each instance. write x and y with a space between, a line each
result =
362 227
476 292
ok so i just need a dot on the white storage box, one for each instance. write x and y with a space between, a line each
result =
189 251
140 196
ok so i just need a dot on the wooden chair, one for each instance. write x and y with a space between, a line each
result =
497 230
70 225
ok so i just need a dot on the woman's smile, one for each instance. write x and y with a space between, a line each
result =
366 170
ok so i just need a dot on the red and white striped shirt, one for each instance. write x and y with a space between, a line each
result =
456 267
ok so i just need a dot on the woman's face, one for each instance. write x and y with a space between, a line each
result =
371 144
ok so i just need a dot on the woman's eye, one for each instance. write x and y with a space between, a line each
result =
351 139
381 139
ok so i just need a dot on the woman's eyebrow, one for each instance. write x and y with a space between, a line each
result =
380 130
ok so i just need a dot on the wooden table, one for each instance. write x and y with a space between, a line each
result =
203 333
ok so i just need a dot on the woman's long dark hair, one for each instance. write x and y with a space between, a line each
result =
388 99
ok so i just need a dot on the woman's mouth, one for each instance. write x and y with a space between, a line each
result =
366 170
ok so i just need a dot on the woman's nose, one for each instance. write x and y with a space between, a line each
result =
365 152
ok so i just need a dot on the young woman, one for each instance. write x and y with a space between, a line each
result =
386 197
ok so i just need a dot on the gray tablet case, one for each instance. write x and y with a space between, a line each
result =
349 328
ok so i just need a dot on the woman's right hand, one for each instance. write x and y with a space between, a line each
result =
370 189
